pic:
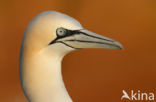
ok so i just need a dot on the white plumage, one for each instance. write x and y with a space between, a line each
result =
49 37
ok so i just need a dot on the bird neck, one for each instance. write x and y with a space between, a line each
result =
41 77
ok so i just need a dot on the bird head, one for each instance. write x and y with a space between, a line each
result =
55 30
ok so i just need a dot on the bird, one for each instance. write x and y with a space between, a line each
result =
47 39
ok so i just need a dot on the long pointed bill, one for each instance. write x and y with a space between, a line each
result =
87 39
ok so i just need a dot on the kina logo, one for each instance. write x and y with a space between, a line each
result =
138 96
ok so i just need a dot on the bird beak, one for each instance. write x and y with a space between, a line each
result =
88 39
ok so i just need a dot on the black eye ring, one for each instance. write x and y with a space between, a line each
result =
61 31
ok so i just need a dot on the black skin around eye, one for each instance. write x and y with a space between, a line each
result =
68 33
61 32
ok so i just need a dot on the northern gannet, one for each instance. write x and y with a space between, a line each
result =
47 39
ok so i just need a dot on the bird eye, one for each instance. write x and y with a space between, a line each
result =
61 31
